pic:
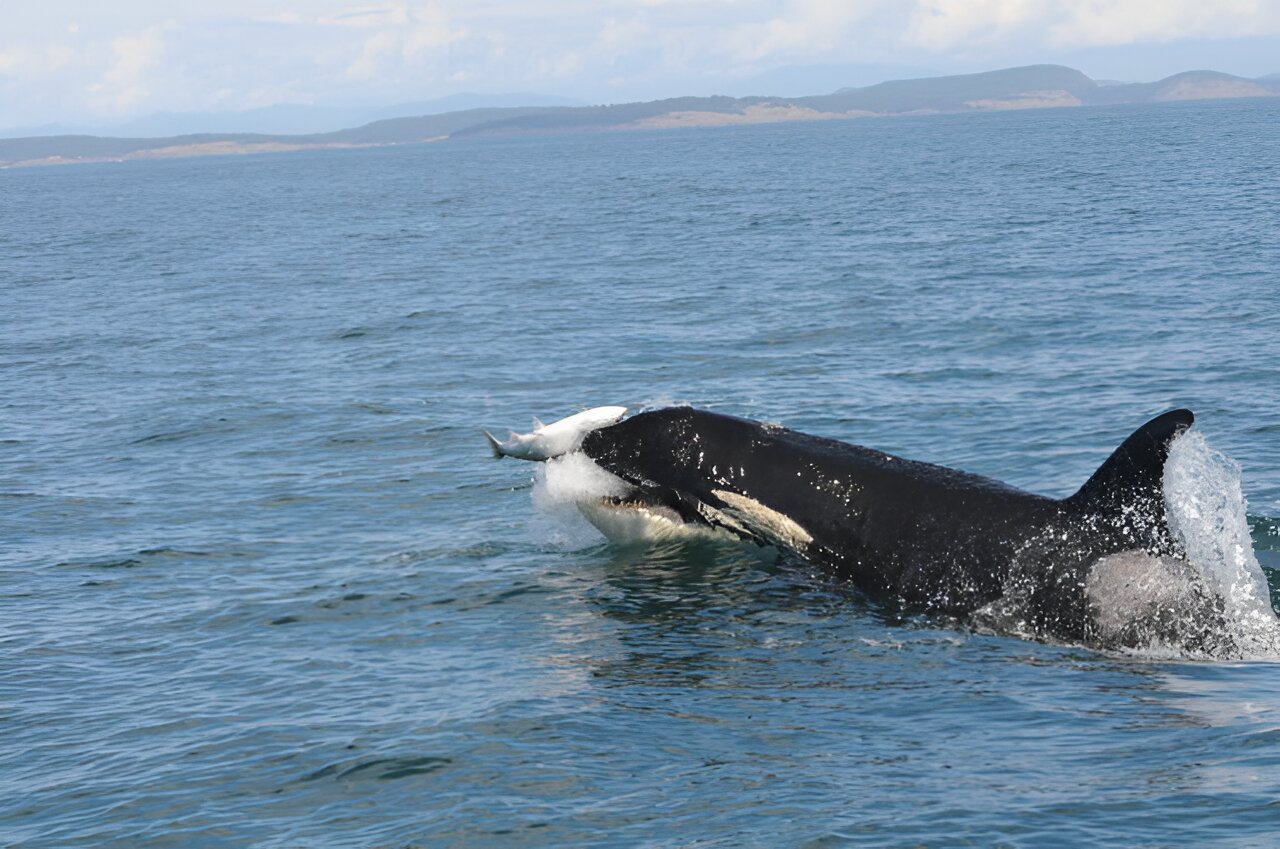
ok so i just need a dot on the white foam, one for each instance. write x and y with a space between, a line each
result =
572 490
1206 512
560 484
572 478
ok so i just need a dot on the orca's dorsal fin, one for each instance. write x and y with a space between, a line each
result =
1133 474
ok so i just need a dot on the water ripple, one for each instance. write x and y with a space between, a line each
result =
260 583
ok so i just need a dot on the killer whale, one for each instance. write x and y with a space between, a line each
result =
912 533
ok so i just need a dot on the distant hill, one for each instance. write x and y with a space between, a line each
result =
1190 85
290 118
1034 86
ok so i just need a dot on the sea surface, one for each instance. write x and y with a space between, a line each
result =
262 584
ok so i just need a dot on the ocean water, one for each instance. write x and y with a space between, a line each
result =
261 583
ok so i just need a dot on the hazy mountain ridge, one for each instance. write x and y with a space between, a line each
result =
286 118
1034 86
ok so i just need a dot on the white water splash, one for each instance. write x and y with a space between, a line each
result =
560 485
572 478
573 491
1206 512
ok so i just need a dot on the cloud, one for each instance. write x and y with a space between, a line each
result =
407 38
124 84
35 61
139 56
12 59
1092 23
950 25
368 16
430 28
801 27
288 17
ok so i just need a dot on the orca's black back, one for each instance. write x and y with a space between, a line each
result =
915 531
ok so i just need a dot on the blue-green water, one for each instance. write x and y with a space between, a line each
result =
261 584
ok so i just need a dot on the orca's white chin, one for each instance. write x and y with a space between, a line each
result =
623 513
628 522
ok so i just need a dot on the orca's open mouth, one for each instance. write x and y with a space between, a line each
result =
643 516
643 502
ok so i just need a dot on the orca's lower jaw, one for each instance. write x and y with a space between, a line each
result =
644 515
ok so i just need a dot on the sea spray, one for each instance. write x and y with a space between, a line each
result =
560 485
579 495
1206 511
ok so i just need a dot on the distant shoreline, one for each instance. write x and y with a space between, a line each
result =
1031 87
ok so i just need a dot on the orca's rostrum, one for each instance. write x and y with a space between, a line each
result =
903 531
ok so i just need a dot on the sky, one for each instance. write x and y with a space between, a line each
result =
89 64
